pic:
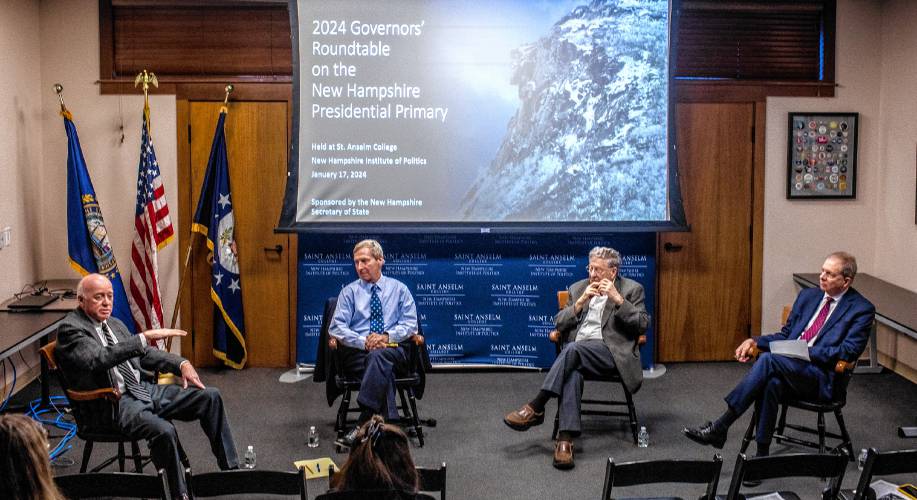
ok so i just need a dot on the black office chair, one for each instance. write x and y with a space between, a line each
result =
884 463
431 480
813 465
563 297
664 471
113 485
410 385
246 482
843 372
96 416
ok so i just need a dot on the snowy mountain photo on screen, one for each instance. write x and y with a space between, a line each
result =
588 142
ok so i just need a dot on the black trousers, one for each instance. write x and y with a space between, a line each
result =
151 421
376 369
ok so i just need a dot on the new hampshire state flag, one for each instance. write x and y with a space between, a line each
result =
87 238
213 218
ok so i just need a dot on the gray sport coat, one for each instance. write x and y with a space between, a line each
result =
87 363
622 326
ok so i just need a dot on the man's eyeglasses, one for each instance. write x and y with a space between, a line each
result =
598 270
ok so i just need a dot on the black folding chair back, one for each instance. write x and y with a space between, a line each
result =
431 480
884 463
113 484
248 482
831 466
663 471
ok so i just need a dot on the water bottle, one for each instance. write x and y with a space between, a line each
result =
861 460
643 437
249 460
312 442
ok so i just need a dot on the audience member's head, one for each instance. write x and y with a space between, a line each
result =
25 471
380 460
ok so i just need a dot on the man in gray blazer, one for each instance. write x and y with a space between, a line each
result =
602 323
97 351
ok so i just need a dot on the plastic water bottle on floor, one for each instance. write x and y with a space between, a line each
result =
643 437
248 460
312 442
861 460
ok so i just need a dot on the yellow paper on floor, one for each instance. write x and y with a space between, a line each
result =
317 467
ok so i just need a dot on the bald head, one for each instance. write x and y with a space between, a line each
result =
95 296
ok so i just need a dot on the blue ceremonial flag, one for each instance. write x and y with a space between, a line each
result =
214 219
87 238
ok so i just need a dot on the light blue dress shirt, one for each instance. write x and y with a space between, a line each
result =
350 324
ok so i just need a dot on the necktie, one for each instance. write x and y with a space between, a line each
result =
376 324
131 383
819 321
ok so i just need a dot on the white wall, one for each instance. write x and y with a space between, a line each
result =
798 234
70 56
895 230
20 143
20 160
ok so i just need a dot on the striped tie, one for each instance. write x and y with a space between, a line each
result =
819 322
376 323
127 373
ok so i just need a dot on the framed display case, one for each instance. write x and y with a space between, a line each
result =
822 155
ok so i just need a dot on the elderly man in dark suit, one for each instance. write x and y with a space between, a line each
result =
602 324
96 351
833 320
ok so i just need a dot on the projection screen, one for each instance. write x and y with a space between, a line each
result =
469 115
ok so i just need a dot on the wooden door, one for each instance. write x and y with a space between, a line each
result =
705 275
256 138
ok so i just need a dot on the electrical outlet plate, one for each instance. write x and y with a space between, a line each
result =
6 237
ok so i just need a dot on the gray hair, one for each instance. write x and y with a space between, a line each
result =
375 249
608 254
848 263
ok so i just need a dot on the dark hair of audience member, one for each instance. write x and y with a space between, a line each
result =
380 460
25 470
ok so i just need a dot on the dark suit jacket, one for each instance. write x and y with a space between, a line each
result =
843 336
622 327
87 363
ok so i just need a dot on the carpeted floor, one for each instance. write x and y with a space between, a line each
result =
488 460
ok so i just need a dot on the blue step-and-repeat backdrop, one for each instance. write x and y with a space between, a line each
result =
482 298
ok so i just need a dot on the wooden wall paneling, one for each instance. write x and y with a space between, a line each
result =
256 137
186 303
757 226
705 274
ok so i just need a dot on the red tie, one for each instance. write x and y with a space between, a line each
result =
819 322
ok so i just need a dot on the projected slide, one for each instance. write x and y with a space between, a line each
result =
482 111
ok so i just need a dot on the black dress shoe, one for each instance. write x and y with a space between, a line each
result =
347 440
707 434
751 483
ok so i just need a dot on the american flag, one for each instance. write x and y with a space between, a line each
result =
153 231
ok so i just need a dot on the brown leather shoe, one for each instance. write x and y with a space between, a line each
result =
523 418
563 455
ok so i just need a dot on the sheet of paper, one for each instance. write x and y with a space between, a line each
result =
770 496
886 489
317 467
790 348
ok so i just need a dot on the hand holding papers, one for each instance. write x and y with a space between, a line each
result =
790 348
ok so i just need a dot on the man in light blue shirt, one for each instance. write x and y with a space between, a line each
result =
373 314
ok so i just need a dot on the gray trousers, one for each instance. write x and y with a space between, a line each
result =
565 378
151 421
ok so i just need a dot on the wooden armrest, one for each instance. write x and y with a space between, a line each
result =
844 366
417 339
554 336
109 393
840 367
332 343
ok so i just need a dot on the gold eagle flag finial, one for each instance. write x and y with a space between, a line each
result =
146 78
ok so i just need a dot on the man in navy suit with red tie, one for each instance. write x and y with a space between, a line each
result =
834 320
